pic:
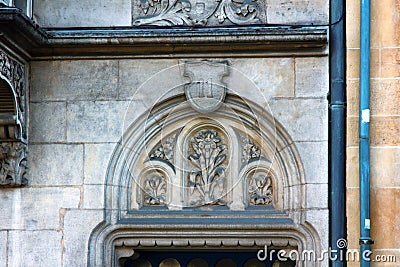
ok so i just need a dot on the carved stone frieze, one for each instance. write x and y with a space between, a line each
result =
155 190
206 91
198 13
207 177
260 189
12 164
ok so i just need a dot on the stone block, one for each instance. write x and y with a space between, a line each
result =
74 80
96 160
385 167
93 197
298 12
353 97
100 121
89 13
35 248
303 119
266 77
384 21
353 24
389 63
3 248
385 95
47 122
352 131
137 77
316 196
352 170
55 164
36 208
319 219
315 167
353 217
312 77
385 131
385 221
353 63
78 225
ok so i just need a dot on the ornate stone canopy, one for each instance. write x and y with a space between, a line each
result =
13 122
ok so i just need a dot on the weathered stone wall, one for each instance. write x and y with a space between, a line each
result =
385 122
77 112
95 13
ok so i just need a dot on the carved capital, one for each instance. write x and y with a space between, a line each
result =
12 164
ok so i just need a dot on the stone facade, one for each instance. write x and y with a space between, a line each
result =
144 152
384 129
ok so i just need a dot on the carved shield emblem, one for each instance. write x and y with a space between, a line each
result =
206 91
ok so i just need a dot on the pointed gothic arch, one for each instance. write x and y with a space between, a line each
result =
156 151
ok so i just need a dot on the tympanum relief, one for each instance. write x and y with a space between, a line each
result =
208 161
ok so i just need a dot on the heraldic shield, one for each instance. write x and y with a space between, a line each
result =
206 91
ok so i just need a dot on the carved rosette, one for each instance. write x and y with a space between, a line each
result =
12 164
164 150
207 177
250 150
154 190
260 189
13 126
197 13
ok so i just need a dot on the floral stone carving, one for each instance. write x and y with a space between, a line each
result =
260 189
13 126
14 73
197 13
206 179
12 164
155 190
249 150
164 150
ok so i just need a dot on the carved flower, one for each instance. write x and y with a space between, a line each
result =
184 5
246 7
155 190
260 189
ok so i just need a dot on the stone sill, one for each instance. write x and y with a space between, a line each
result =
33 42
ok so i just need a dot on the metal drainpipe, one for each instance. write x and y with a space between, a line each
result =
337 130
364 156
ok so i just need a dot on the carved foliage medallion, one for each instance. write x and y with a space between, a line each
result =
154 189
196 12
260 189
164 150
250 150
207 177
